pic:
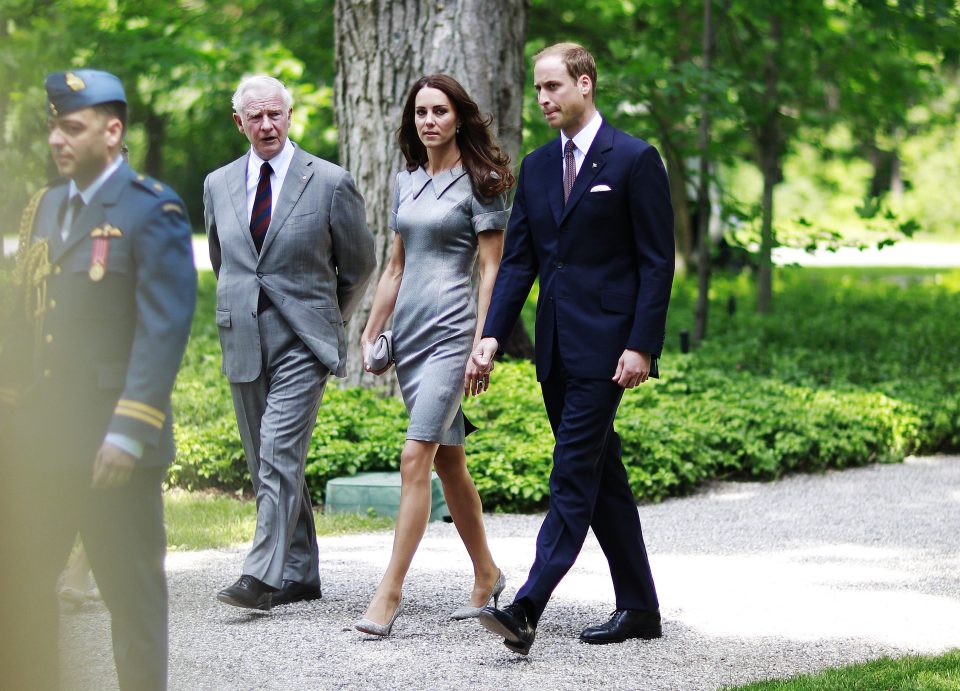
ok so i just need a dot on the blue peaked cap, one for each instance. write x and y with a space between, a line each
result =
75 89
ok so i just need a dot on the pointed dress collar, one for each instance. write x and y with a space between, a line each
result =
441 181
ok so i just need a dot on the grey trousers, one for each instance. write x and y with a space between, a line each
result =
276 413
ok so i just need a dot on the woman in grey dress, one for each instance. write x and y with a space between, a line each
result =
448 213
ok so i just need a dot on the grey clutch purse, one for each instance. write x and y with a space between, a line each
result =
380 355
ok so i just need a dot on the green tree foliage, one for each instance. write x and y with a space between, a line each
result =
179 62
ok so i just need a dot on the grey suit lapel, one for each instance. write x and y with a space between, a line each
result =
298 175
236 176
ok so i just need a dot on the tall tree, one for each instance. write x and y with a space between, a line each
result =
774 49
701 311
382 47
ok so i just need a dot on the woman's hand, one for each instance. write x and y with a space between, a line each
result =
365 345
475 382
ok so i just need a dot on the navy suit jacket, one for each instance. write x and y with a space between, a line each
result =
605 259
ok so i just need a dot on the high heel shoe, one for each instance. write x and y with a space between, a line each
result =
375 629
468 612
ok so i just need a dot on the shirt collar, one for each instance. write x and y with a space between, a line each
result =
584 138
279 163
88 194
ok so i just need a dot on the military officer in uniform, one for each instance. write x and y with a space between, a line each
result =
106 292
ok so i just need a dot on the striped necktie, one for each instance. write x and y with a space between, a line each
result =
569 169
262 207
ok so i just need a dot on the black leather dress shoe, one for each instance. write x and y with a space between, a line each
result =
292 591
248 592
624 624
512 623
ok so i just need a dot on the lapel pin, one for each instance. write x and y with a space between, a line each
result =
594 165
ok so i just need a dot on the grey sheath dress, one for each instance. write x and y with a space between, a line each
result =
435 317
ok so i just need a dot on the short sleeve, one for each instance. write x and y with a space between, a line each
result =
489 213
392 223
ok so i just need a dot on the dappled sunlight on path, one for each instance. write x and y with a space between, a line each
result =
756 581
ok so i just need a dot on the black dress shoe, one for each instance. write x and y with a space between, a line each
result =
513 624
624 624
248 592
292 591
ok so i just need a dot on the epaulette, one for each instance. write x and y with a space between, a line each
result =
161 191
155 187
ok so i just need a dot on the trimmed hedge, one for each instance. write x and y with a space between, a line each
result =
853 368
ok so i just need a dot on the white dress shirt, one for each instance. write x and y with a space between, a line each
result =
582 140
280 165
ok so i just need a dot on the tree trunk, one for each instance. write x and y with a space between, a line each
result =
382 47
701 311
156 126
682 227
769 146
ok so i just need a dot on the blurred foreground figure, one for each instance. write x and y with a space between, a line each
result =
106 292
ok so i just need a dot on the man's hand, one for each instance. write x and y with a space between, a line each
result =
483 354
112 467
633 369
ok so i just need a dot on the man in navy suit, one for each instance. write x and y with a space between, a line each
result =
592 218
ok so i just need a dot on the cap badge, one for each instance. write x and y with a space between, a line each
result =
74 82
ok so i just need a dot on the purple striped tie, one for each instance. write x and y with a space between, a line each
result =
260 218
569 169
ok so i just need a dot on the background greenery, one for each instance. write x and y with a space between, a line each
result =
212 520
864 106
913 673
857 366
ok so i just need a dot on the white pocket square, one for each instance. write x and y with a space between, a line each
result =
600 188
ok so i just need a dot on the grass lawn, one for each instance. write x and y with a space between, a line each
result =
210 520
941 673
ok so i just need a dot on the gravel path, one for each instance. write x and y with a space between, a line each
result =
756 581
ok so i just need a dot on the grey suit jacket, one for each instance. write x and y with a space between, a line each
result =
316 260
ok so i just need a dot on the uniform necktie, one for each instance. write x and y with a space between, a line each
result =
260 218
569 169
76 205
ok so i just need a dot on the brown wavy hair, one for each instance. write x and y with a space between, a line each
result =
487 165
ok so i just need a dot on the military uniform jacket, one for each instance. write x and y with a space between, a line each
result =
103 323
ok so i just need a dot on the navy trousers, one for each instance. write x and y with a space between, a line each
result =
588 489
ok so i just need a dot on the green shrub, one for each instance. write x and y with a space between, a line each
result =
852 368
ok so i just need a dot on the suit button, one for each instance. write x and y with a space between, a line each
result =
559 265
53 304
47 373
259 274
57 270
253 314
49 338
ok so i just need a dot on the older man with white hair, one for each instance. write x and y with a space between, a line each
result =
292 253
